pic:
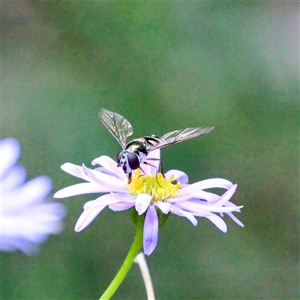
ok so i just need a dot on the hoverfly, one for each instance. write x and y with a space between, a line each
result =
135 152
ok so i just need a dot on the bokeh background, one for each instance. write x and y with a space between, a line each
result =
164 66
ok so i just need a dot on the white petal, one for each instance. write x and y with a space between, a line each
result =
154 154
226 196
163 206
124 197
207 184
235 219
104 200
32 192
197 206
27 226
87 217
34 221
123 201
75 170
15 177
230 204
142 203
209 197
110 165
9 244
178 175
120 206
180 212
80 189
153 158
94 207
105 180
202 214
181 198
219 222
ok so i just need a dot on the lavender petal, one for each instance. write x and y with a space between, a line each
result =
150 236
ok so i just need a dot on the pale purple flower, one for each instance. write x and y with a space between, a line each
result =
148 193
27 218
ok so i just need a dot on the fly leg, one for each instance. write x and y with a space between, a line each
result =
130 174
160 168
129 177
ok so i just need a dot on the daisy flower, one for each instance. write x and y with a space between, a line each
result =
27 218
152 195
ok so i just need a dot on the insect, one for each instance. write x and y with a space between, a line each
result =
135 152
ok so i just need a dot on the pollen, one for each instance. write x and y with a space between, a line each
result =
157 186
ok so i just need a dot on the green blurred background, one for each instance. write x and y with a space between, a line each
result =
164 66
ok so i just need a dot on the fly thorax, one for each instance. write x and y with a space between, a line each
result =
138 146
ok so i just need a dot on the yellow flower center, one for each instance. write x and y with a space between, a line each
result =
157 186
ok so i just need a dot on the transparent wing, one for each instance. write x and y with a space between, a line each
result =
117 125
181 135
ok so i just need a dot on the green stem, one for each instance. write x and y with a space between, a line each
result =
133 251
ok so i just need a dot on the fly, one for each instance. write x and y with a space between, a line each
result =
135 152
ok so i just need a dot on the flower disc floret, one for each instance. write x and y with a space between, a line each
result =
157 186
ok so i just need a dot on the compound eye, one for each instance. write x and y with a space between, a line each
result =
119 156
133 160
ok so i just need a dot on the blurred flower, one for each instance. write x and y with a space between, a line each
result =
149 194
27 218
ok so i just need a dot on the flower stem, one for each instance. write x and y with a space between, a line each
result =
133 251
140 259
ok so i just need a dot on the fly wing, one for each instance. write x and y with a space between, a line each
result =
117 125
181 135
